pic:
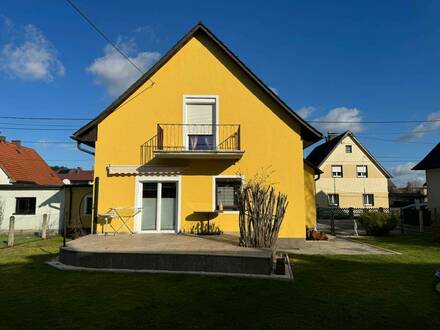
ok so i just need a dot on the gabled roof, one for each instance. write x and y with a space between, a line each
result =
321 152
88 133
24 165
77 175
431 160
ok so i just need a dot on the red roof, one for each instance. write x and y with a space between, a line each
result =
77 175
24 165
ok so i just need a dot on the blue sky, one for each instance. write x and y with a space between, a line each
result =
338 60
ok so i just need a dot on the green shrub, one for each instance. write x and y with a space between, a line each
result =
378 223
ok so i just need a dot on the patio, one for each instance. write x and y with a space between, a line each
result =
167 252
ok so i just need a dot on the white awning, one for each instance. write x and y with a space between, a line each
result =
143 170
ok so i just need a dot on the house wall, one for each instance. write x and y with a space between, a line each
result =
4 179
310 196
351 188
433 181
270 137
78 216
49 201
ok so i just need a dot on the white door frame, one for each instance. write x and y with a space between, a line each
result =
138 202
200 99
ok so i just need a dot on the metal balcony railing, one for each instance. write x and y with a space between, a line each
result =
192 138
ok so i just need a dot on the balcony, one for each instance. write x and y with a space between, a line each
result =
202 141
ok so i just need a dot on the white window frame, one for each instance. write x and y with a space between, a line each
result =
203 99
333 204
214 178
342 171
366 171
349 146
85 204
368 204
138 202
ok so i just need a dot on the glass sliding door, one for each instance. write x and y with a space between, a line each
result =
168 207
149 206
159 206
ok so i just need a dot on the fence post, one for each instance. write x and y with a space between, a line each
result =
11 231
355 225
421 224
402 221
44 227
332 223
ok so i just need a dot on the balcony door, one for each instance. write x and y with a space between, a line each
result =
200 119
159 206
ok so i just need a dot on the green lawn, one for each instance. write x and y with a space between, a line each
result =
351 292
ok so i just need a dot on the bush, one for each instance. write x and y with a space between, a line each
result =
378 223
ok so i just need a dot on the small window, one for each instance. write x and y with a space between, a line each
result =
25 205
362 171
368 199
226 193
348 149
88 205
337 171
333 199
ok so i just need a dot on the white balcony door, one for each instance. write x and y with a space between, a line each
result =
159 203
200 120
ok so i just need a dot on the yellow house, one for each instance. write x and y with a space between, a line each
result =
78 199
351 176
174 148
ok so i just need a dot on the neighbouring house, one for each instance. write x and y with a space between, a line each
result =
431 164
29 188
409 195
78 196
351 176
179 142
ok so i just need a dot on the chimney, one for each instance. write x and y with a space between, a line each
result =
2 138
330 136
16 142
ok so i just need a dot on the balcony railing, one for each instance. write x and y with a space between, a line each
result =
192 139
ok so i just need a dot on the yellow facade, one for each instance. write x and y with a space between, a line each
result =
270 137
75 208
309 195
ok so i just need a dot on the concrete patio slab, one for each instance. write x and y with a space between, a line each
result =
167 252
339 246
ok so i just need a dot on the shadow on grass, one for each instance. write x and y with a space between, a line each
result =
328 291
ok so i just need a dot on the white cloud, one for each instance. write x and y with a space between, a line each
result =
114 72
273 89
341 119
305 112
28 54
424 128
402 174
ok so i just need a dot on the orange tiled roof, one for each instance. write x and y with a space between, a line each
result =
76 175
24 165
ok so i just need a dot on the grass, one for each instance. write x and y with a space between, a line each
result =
356 292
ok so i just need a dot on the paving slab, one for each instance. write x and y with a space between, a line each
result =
339 246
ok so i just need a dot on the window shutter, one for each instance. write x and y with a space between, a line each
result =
200 117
